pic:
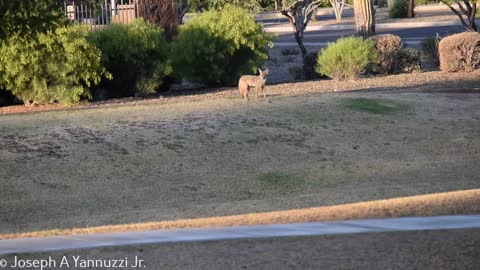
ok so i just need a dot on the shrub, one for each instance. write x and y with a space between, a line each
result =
460 52
429 47
56 66
407 60
421 2
218 46
346 58
29 17
136 55
387 46
399 9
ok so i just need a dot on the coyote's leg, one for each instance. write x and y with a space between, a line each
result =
243 88
263 91
257 89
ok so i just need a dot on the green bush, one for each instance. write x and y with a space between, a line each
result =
56 66
346 58
399 9
429 47
136 56
218 46
421 2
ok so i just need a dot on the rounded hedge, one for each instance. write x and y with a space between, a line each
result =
136 55
56 66
346 58
218 46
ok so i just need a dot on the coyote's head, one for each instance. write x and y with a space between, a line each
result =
263 74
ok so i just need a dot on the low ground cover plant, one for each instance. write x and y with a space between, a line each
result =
136 55
218 46
347 58
56 66
371 105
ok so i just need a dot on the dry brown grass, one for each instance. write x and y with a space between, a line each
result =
456 202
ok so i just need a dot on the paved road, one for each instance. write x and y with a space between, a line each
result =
411 36
32 245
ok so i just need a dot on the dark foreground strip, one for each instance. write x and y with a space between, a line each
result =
33 245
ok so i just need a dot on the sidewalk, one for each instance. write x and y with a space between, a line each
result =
33 245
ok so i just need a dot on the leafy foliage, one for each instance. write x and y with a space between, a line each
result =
56 66
429 47
28 17
346 58
399 9
136 55
220 45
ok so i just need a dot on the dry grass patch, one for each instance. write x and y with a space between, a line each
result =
448 203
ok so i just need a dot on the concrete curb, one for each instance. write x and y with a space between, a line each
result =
33 245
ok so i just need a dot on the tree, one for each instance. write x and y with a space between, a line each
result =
163 13
338 6
299 14
410 8
364 17
466 12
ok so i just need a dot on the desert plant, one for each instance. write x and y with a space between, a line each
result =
218 46
56 66
136 55
387 46
407 60
346 58
399 9
460 52
429 47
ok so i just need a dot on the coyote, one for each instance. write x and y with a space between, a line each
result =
247 81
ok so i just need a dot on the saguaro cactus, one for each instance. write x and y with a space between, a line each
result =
364 17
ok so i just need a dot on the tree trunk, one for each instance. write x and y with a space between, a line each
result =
299 40
411 6
364 17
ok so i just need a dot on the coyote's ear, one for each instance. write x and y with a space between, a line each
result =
266 71
259 71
